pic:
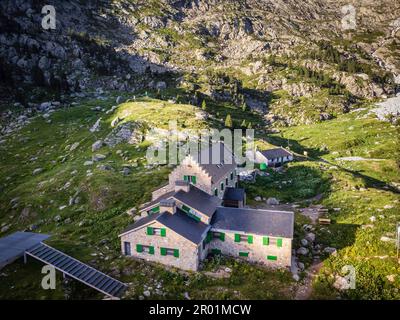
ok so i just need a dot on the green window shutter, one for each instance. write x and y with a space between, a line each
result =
222 236
209 236
216 192
194 179
176 253
150 231
151 250
265 241
237 237
186 178
185 208
263 166
216 251
231 175
222 186
155 209
272 258
250 239
163 251
139 248
243 254
163 232
194 217
279 242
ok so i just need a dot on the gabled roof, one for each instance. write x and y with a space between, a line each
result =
198 200
275 153
217 160
185 226
166 195
235 194
143 221
260 222
190 229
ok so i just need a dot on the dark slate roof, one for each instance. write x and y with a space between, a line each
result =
179 222
261 222
275 153
185 226
198 200
235 194
141 222
156 201
217 161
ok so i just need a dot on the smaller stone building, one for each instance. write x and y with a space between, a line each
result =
273 157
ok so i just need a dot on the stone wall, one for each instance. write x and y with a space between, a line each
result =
188 251
258 252
231 183
191 168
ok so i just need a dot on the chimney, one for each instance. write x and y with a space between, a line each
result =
182 185
168 205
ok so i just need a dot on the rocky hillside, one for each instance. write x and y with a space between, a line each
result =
290 61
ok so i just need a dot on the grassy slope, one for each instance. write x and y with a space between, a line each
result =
100 214
360 189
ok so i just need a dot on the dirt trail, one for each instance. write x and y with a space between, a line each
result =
304 290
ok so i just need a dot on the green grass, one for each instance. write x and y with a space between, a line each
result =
359 189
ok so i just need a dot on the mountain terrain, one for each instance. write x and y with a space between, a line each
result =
80 105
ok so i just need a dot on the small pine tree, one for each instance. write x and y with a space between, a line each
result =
243 125
244 106
204 105
228 121
249 126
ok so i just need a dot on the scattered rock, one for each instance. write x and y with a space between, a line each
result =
272 201
57 218
98 157
331 251
74 146
96 126
296 277
303 251
391 277
304 242
126 171
37 171
115 121
146 293
258 198
310 237
88 163
97 145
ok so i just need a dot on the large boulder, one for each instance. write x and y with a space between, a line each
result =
272 201
130 132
